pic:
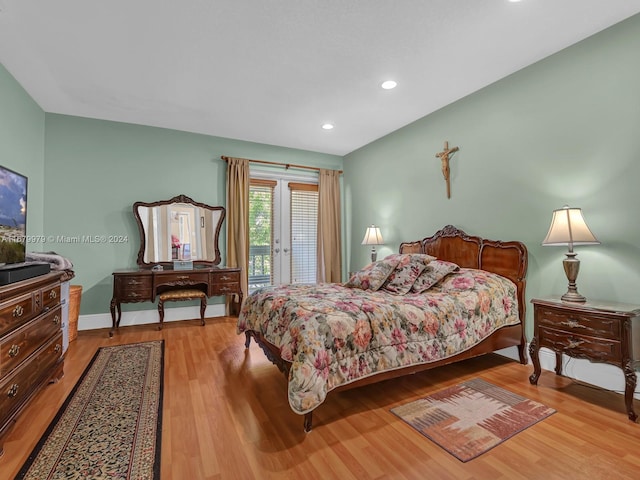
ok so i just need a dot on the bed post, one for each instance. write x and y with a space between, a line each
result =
308 418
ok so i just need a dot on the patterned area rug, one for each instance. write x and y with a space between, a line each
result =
471 418
110 425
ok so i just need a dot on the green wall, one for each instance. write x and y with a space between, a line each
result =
95 170
22 144
565 130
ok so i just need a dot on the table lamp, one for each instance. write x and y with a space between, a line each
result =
569 228
372 237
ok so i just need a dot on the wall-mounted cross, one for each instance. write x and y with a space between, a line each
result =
444 156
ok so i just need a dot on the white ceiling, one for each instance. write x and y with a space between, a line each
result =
273 71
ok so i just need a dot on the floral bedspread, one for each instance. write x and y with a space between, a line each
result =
334 335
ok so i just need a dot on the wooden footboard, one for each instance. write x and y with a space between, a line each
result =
508 259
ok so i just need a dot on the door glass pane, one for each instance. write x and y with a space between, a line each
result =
260 236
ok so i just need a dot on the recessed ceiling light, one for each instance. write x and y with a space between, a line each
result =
328 126
389 84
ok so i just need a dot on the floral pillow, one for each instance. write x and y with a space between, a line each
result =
404 258
404 276
373 275
432 274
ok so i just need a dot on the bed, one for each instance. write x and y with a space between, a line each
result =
331 337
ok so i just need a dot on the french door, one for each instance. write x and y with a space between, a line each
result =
283 218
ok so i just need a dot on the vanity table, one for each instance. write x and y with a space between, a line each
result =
173 233
144 285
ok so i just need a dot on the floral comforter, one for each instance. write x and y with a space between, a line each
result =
334 335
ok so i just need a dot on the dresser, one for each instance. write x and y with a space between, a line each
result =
30 343
599 332
144 285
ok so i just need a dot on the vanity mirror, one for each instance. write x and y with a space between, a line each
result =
178 229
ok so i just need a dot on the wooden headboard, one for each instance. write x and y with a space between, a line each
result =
509 259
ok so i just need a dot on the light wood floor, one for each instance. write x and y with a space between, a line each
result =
226 416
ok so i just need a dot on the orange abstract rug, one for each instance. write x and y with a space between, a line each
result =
471 418
110 425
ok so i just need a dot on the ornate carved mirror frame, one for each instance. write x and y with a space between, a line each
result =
168 227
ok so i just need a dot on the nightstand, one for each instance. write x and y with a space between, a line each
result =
608 333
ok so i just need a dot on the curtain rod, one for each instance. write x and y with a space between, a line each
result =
285 165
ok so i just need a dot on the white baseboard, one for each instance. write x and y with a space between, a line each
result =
143 317
603 375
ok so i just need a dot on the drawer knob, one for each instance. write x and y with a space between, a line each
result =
53 294
574 343
572 323
57 348
13 391
18 311
56 320
14 350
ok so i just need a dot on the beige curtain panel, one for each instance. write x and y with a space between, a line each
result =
238 220
329 268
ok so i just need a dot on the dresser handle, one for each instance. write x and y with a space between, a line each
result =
183 277
133 281
56 320
57 348
575 343
14 350
134 294
18 311
225 289
225 277
572 323
53 294
13 391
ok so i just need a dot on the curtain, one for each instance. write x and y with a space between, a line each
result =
238 222
329 268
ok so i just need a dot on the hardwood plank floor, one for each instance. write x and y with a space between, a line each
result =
226 416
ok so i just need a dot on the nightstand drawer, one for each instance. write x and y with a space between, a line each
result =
590 324
596 349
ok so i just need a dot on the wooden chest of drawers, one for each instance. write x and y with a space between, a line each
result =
597 332
30 343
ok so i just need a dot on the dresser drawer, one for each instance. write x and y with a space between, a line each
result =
16 311
598 349
22 342
225 277
51 296
590 324
20 384
184 279
133 287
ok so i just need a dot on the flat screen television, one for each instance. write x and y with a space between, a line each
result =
13 217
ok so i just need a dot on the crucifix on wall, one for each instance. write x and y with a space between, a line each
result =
444 157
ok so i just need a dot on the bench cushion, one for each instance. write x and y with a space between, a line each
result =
183 294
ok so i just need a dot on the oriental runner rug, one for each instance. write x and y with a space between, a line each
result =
471 418
110 425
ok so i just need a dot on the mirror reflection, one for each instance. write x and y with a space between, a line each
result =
178 229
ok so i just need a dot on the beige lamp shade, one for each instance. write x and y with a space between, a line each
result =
569 228
372 236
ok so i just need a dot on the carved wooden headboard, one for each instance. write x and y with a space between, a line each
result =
509 259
